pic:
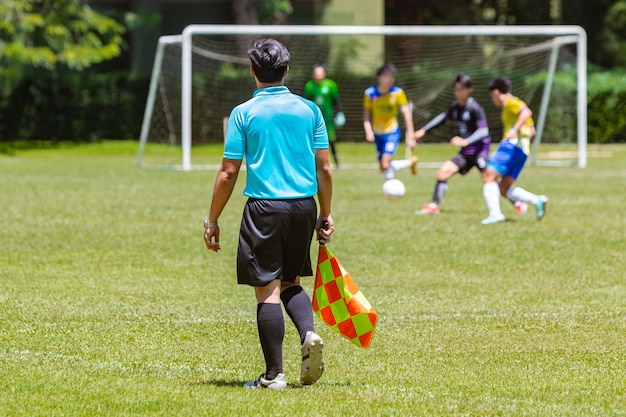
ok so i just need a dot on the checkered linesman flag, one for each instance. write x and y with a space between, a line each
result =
340 303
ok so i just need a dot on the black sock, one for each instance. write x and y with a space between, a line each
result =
441 188
271 325
334 152
298 305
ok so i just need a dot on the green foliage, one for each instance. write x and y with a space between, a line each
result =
134 21
273 11
607 107
590 15
112 305
346 51
71 105
79 106
52 35
613 35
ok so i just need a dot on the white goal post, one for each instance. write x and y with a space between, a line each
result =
556 37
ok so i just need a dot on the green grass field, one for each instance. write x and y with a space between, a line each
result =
110 304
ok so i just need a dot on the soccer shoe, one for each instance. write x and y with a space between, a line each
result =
493 219
430 208
312 359
280 382
414 160
541 206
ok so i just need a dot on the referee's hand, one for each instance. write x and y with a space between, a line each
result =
212 238
325 227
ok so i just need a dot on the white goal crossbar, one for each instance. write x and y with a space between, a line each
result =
563 35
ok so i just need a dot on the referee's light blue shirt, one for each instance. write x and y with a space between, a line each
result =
278 133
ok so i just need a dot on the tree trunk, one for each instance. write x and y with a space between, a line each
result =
244 12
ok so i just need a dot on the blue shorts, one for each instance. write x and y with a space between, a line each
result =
508 160
387 143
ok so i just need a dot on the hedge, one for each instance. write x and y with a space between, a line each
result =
87 106
74 106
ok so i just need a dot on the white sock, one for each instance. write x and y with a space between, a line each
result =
389 174
398 164
491 193
520 194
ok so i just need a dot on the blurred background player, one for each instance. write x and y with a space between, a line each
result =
508 160
324 92
381 104
473 138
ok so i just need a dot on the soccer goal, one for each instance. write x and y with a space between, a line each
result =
199 76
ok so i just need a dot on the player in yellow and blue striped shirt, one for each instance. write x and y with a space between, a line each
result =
381 104
507 162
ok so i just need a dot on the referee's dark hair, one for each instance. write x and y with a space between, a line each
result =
269 59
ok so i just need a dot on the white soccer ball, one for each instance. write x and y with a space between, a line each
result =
393 189
521 207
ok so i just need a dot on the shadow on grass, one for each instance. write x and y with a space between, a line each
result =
240 384
10 148
219 383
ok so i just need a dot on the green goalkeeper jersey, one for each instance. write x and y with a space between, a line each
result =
325 95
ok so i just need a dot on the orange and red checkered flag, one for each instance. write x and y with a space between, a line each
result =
340 303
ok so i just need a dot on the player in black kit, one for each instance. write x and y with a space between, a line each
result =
473 139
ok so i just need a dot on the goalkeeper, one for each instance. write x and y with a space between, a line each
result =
472 137
324 92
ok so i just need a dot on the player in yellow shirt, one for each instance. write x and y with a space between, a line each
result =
507 162
381 104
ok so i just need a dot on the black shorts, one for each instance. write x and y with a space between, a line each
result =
466 162
275 240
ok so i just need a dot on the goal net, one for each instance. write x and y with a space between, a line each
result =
199 76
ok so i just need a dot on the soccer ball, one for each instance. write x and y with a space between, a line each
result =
521 207
393 189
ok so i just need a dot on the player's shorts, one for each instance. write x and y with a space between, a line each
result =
387 143
275 240
467 162
508 159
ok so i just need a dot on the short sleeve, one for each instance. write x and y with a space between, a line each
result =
235 145
402 100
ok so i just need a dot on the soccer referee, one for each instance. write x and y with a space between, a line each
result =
285 144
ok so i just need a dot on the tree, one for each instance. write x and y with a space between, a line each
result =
251 12
275 12
244 12
52 35
613 36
